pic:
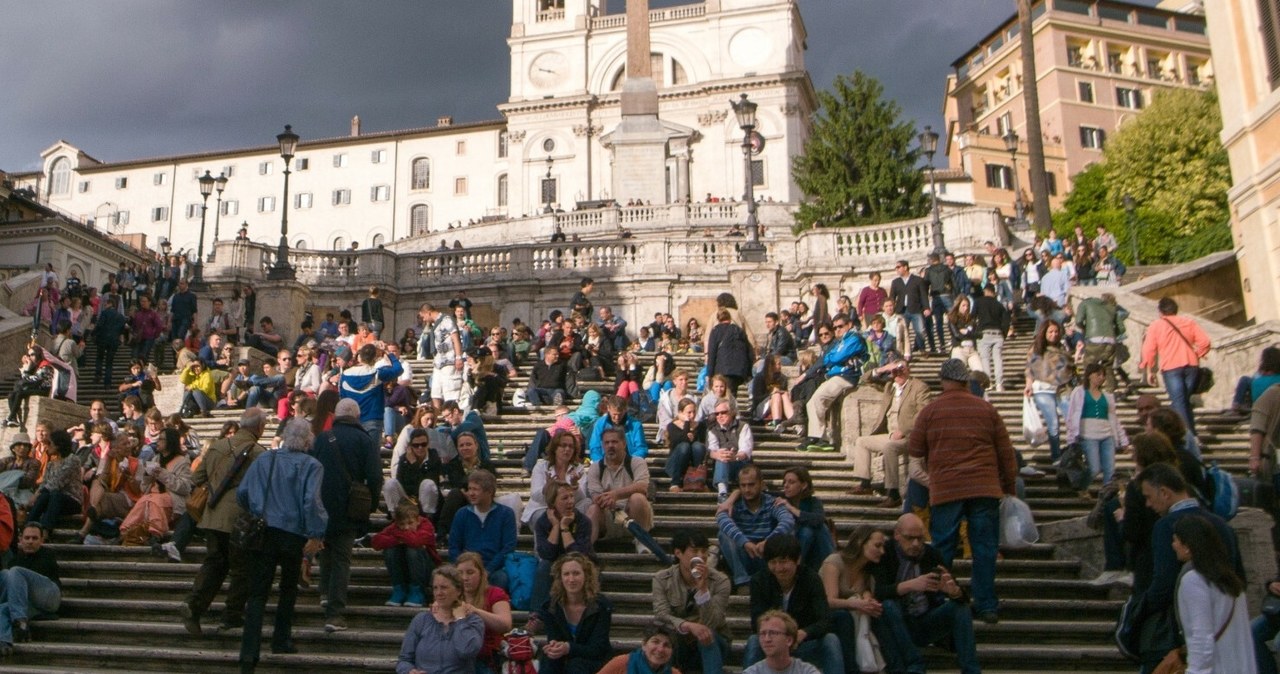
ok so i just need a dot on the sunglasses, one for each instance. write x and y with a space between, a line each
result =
419 444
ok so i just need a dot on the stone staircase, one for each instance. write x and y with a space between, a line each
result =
119 610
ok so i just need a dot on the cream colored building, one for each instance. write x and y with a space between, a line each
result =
1245 35
567 58
1098 65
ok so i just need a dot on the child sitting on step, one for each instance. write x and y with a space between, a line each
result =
408 548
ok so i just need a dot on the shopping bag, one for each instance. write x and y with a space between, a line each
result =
1033 430
1017 527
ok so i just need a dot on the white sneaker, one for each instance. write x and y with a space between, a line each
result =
172 551
1030 471
641 549
1111 578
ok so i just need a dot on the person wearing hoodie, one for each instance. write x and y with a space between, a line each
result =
363 382
616 417
579 421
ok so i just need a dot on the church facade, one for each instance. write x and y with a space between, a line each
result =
554 148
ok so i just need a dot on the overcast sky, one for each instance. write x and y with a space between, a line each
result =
125 79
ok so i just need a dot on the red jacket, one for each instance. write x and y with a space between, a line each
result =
422 537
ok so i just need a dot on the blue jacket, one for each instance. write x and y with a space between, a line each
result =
294 502
363 384
637 445
846 357
108 328
493 539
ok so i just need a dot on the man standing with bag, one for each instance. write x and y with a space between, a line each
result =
1175 345
223 467
352 475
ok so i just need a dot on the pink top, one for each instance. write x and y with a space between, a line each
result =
1163 343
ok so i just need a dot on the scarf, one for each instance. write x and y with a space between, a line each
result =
638 664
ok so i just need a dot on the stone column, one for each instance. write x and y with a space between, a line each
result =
756 287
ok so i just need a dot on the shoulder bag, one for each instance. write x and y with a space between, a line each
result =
359 498
1204 380
250 529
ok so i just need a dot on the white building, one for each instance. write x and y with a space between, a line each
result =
567 59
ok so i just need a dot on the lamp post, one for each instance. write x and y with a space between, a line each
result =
1019 208
929 146
282 270
206 188
220 183
547 189
752 250
1130 223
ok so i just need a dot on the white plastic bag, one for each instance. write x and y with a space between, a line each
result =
1017 527
1033 430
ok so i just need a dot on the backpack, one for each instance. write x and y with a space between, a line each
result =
1226 495
1073 469
642 407
520 568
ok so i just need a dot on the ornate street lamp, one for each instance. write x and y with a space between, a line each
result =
220 183
206 188
929 146
548 188
282 270
1019 208
752 143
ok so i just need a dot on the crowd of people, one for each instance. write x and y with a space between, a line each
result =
342 392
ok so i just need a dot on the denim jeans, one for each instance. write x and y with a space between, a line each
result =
726 472
1101 455
265 389
197 401
25 594
918 330
682 456
1264 632
283 549
741 565
1179 383
544 396
533 451
815 544
941 304
1112 537
983 515
689 653
50 506
410 567
822 653
953 620
392 422
374 428
1051 406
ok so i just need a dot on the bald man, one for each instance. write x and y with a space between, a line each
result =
922 602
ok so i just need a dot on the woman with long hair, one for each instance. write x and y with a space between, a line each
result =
1164 420
1049 371
1092 420
445 638
562 463
844 305
851 593
693 333
658 377
687 440
976 270
326 404
577 619
560 529
821 315
1211 608
165 485
669 400
964 333
778 391
815 539
490 603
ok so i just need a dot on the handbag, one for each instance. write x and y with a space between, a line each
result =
197 501
250 528
359 498
201 499
1204 380
695 479
1175 661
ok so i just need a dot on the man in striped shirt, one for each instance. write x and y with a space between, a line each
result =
971 466
746 520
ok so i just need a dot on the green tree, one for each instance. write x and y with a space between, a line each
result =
859 165
1171 162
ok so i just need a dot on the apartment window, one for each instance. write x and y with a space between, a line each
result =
122 183
266 204
1269 13
548 190
999 177
120 218
193 211
1115 62
502 191
1086 91
302 163
341 197
302 200
418 219
340 160
60 176
159 214
231 207
265 168
82 186
228 170
422 174
159 178
1113 13
1153 20
1072 6
1075 55
378 156
460 186
503 144
757 172
1051 183
195 174
1092 138
1004 124
1129 98
460 148
380 193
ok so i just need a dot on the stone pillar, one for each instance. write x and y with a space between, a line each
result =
756 287
284 302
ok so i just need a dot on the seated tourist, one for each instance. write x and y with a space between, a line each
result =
786 585
616 417
618 487
779 636
62 491
445 638
416 472
484 527
490 603
466 422
692 598
687 442
547 383
20 472
579 422
115 487
562 464
669 400
856 613
729 444
559 530
798 498
32 588
165 485
654 656
748 519
455 475
577 619
408 547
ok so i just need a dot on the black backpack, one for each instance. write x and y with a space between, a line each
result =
1073 469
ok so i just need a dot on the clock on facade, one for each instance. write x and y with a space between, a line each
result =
549 69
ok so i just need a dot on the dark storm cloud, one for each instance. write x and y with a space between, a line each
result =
125 79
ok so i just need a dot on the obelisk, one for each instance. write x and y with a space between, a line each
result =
640 141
